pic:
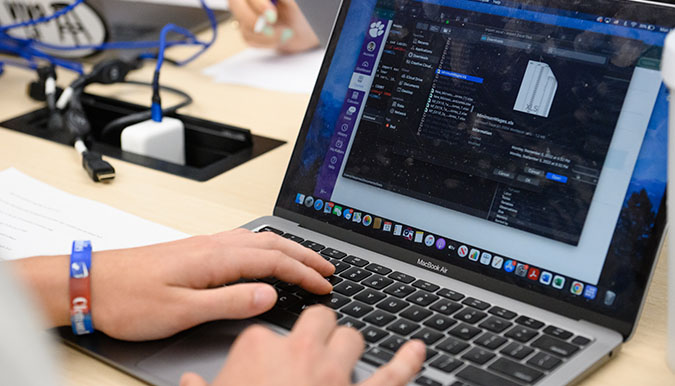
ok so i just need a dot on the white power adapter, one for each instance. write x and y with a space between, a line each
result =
163 140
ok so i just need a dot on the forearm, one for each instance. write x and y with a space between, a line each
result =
47 277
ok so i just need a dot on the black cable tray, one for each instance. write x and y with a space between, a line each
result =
210 148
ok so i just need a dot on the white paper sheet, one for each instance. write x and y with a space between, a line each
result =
213 4
38 219
269 70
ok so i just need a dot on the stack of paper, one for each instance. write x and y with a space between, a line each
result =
270 70
37 219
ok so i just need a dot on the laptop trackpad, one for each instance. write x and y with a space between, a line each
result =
203 352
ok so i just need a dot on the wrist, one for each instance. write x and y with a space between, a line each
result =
47 277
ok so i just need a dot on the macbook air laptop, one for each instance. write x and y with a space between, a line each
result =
487 176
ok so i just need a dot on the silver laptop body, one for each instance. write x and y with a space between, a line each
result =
505 161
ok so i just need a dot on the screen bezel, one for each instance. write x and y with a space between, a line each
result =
624 327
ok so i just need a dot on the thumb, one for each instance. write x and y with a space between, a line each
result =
239 301
192 379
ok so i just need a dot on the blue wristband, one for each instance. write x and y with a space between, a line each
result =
80 288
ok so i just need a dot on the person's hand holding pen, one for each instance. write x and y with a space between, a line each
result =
278 24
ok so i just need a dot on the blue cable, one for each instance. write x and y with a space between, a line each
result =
26 43
26 48
13 63
192 40
156 107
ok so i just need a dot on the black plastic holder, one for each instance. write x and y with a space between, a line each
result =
210 148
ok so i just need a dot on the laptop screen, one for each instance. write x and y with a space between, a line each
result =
522 140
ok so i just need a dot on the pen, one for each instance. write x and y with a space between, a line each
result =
263 19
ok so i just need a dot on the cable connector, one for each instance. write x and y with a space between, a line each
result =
92 162
112 71
98 169
76 122
106 72
44 88
156 107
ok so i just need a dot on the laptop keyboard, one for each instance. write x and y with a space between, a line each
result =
480 343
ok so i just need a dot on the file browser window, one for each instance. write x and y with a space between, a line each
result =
522 131
497 134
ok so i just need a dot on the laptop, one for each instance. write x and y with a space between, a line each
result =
488 176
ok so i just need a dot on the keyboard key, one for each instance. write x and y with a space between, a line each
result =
333 253
333 280
280 317
355 274
439 322
377 282
340 266
415 313
377 356
422 298
470 315
379 318
270 229
356 309
348 288
481 377
292 237
558 332
555 346
316 247
370 296
426 381
516 350
425 285
516 370
351 322
269 280
495 324
402 277
475 303
357 261
403 327
450 294
399 290
491 341
446 364
521 333
478 355
529 322
428 336
373 335
445 307
378 269
464 331
286 300
307 297
393 343
286 286
393 305
544 361
502 312
581 341
452 346
334 301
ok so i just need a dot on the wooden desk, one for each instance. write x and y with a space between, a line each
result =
240 195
